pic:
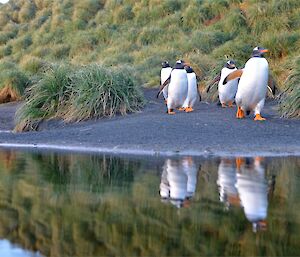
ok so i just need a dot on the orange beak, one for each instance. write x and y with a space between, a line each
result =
264 50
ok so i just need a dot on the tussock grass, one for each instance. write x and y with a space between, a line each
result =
60 51
234 23
44 98
122 14
4 19
262 15
83 42
12 82
42 52
239 49
150 35
289 105
27 12
32 64
22 43
281 44
76 94
191 18
100 92
208 40
5 51
5 36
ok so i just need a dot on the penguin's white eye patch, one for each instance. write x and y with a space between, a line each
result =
255 48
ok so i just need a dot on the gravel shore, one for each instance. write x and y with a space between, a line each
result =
209 130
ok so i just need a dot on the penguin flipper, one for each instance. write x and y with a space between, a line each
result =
163 86
200 98
216 79
272 85
233 75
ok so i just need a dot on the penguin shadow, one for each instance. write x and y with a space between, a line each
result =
242 183
179 181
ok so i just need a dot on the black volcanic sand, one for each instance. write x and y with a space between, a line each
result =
209 130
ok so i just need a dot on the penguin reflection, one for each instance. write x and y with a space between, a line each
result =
227 183
244 184
252 187
178 181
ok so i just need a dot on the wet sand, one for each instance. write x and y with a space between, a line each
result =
209 130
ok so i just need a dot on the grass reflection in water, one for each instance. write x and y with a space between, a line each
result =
87 205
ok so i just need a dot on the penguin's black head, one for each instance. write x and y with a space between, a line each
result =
259 51
230 64
179 64
188 69
165 64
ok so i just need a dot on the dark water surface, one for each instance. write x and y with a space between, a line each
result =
55 204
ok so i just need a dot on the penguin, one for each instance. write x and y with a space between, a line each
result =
177 88
253 84
193 94
164 75
228 91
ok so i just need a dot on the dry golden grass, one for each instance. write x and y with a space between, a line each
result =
8 94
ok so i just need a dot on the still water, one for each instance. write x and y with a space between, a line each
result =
54 204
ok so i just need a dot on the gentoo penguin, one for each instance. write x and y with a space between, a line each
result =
227 92
252 188
178 87
193 94
164 75
253 84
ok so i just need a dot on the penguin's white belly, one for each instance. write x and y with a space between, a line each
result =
252 87
177 89
192 94
228 91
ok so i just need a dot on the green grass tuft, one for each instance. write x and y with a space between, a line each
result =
45 98
289 105
76 94
100 92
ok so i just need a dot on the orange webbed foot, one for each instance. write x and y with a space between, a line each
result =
189 109
230 104
240 113
171 112
258 117
181 109
224 105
